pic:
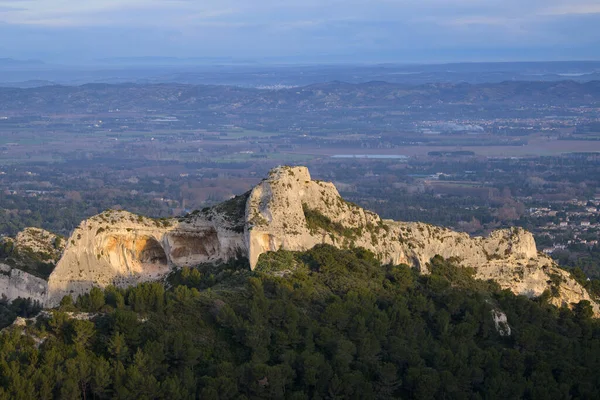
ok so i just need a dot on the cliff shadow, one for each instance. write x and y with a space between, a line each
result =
152 252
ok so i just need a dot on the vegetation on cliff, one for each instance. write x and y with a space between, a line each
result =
37 263
326 323
233 211
33 250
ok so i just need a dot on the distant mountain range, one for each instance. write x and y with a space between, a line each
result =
10 62
318 98
27 84
157 60
249 73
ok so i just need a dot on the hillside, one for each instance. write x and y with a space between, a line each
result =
325 323
286 211
289 291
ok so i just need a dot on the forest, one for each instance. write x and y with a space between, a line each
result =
325 323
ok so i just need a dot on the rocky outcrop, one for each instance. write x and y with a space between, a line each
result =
33 249
287 210
26 262
501 323
39 241
290 211
16 283
123 249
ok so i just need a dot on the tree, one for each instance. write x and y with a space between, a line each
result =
66 303
117 347
83 331
100 379
96 299
583 310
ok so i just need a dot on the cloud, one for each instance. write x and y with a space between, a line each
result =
69 13
479 20
114 12
7 9
573 9
269 27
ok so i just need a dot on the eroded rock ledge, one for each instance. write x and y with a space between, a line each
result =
287 210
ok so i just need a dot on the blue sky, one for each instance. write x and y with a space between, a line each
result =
302 30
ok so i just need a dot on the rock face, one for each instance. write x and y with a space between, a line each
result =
26 262
501 323
292 212
17 283
288 210
39 241
33 249
123 249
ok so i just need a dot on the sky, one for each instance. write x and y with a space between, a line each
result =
361 31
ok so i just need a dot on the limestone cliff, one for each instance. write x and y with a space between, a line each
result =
16 283
122 249
288 210
291 211
34 250
26 261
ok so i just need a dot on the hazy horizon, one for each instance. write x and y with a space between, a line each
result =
376 31
167 61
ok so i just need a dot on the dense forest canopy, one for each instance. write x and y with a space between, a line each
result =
326 323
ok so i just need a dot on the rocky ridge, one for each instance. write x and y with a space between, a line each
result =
288 210
26 262
123 249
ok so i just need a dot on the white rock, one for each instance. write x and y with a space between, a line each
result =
122 249
501 323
